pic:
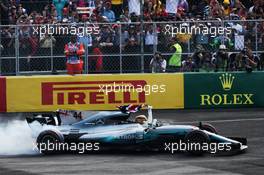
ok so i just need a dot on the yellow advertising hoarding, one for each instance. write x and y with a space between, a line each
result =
93 92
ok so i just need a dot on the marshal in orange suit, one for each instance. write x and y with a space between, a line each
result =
73 51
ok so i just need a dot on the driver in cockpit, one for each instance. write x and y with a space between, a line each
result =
141 119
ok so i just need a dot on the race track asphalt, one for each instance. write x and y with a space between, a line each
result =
240 122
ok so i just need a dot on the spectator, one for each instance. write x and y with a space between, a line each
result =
74 17
132 47
172 6
96 59
238 35
124 37
151 38
220 59
7 48
197 7
200 38
188 65
59 4
85 38
206 62
8 41
134 7
12 15
81 3
217 41
65 15
198 57
125 17
107 12
46 43
134 17
106 38
133 38
117 7
216 9
202 60
252 61
148 10
116 38
21 10
28 43
258 9
240 61
240 10
46 13
4 13
183 4
158 63
227 7
161 13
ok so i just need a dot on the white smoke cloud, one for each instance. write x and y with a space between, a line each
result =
16 138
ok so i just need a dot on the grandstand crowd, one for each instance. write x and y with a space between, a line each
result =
54 11
245 35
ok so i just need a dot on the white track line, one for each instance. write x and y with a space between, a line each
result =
222 121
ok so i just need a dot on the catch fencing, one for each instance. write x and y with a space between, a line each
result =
119 47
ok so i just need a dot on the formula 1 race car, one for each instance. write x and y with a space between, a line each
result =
114 129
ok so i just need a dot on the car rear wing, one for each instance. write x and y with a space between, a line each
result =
44 119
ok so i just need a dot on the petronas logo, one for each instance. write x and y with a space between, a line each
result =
227 81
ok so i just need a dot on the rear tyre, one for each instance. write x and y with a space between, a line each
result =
49 142
195 141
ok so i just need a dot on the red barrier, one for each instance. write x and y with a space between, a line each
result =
2 94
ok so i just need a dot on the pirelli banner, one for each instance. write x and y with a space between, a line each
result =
223 90
90 92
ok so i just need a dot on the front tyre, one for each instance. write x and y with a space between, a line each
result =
208 127
195 140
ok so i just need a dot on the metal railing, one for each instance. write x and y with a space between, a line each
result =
119 47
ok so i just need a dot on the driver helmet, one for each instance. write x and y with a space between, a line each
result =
141 119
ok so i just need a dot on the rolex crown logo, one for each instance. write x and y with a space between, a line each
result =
227 81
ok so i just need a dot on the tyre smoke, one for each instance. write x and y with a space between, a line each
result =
16 138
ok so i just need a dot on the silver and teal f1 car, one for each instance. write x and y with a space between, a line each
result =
115 129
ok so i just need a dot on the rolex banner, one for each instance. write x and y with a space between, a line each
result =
223 90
